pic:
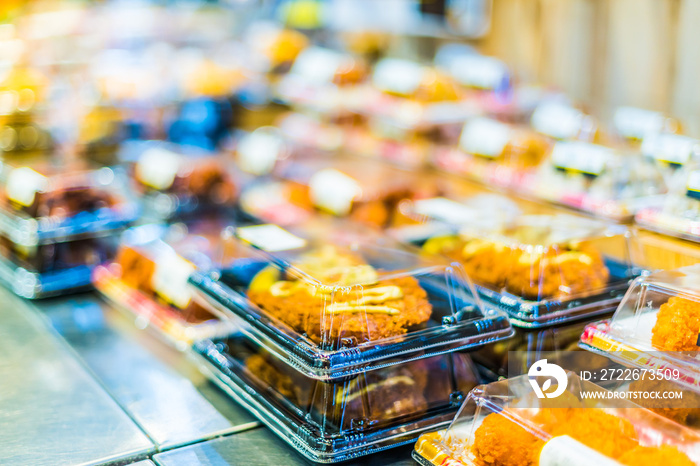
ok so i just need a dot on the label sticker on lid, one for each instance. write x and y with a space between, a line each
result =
271 238
445 210
333 191
398 76
693 184
670 148
484 137
158 168
557 120
636 123
23 184
259 151
170 277
581 157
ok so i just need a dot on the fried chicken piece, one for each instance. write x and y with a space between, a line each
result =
677 326
500 442
136 269
323 324
654 456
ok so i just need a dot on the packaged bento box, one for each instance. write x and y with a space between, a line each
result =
363 190
597 179
332 304
176 183
506 424
543 269
678 212
338 420
495 153
148 277
656 323
53 269
45 201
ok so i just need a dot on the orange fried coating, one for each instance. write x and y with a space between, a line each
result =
308 314
500 442
136 269
653 456
608 434
669 408
677 326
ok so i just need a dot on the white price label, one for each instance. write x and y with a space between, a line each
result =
317 65
170 278
158 168
270 238
670 148
23 184
398 76
333 191
259 151
693 183
485 137
566 451
479 71
636 123
557 120
581 157
445 210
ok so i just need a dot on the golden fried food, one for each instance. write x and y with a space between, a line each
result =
500 442
539 274
653 456
350 303
603 432
669 408
677 326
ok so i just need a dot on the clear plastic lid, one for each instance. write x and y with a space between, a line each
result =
175 182
658 317
45 201
334 421
635 124
505 424
149 276
52 269
544 269
597 179
364 190
412 95
332 304
324 80
678 212
494 152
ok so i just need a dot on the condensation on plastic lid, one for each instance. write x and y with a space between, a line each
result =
566 451
270 238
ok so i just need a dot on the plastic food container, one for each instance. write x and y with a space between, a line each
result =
333 306
656 321
363 190
42 203
176 183
678 212
544 269
334 421
496 153
635 124
148 278
597 179
324 81
52 269
515 355
504 423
